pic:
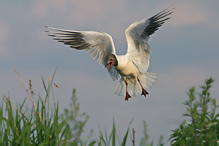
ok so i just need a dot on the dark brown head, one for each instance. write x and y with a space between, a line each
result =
111 61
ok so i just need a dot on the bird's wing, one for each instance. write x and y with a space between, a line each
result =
137 35
98 44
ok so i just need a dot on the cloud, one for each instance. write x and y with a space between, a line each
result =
4 29
183 76
4 35
189 13
39 9
78 9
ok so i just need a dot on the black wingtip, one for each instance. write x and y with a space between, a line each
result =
164 13
157 20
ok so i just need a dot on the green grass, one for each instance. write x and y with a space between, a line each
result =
43 124
39 127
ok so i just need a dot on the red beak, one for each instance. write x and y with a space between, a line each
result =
110 63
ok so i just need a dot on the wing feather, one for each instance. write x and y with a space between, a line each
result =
137 35
98 44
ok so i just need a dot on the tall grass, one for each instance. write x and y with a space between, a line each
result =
38 127
43 124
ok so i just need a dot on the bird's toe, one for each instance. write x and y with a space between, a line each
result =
144 92
127 96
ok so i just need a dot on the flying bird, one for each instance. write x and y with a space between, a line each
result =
130 68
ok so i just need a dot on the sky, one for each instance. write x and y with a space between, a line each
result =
184 52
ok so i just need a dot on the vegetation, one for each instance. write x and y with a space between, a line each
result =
39 126
43 124
145 138
203 128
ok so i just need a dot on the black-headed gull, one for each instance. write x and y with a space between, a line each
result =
132 67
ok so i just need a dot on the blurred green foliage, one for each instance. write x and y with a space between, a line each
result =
203 127
75 122
145 139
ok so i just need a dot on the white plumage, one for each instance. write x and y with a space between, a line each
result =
132 67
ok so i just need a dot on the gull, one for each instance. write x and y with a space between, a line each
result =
130 68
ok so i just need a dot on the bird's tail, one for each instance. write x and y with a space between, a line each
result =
148 79
133 87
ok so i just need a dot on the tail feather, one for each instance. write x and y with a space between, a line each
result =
147 80
120 88
150 79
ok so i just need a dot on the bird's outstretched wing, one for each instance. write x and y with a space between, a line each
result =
137 35
98 44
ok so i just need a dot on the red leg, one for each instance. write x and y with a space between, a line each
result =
127 96
144 92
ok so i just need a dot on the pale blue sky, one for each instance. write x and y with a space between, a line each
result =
184 53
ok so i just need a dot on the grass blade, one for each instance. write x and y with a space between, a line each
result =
1 125
114 134
126 134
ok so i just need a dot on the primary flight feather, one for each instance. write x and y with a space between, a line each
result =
132 67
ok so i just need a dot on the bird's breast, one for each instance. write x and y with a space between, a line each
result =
127 69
